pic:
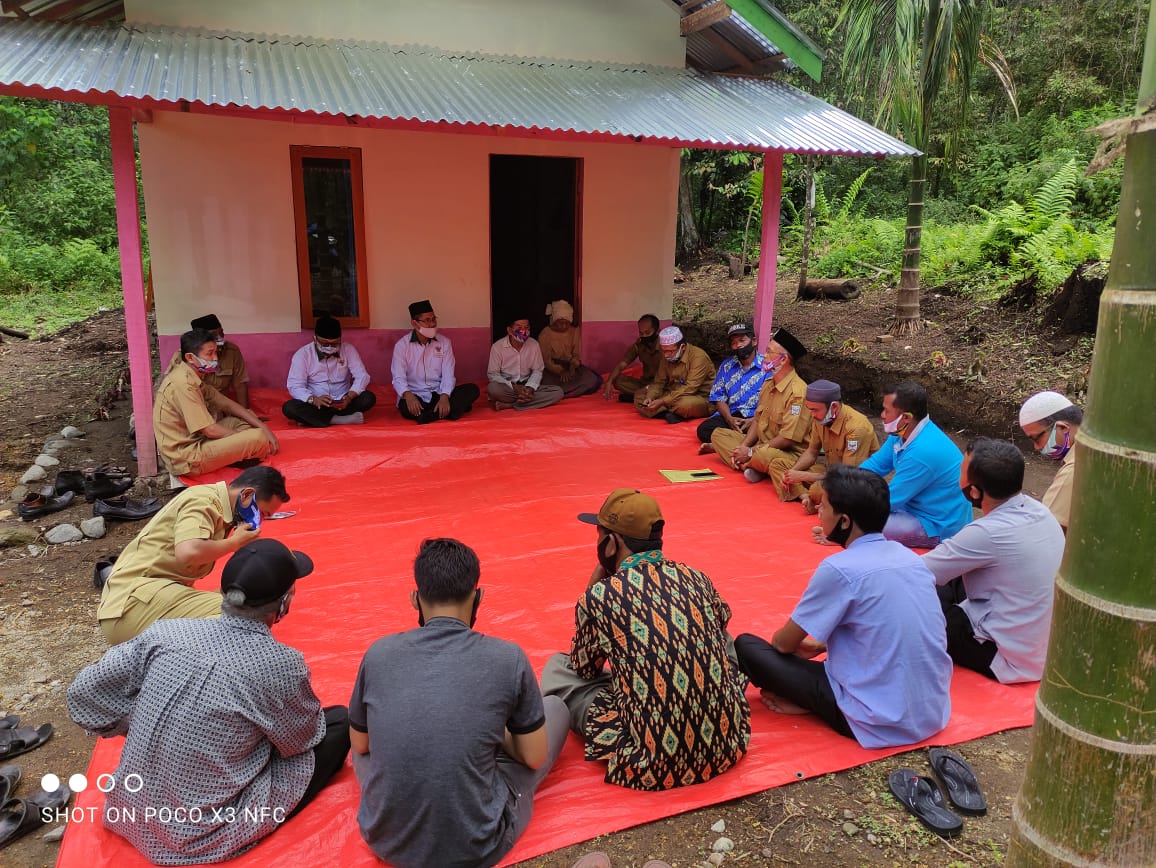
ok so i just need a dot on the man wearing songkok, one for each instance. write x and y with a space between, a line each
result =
328 382
735 393
841 433
1052 422
561 345
231 377
782 426
681 388
670 712
645 351
423 372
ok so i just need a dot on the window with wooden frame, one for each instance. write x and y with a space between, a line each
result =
329 221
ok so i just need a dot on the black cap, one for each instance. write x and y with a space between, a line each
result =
790 343
264 571
419 307
328 328
740 328
208 322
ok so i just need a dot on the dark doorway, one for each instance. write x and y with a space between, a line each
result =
534 239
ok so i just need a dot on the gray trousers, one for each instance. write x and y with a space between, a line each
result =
561 681
543 397
523 780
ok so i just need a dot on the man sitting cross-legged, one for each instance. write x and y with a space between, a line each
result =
450 734
872 609
671 711
997 575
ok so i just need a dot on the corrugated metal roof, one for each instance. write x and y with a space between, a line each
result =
414 84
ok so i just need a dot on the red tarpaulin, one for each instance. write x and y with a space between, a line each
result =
509 485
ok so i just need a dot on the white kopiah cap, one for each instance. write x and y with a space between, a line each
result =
670 336
1041 405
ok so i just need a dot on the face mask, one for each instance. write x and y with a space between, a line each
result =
220 341
744 353
250 514
428 332
283 609
832 412
894 426
327 351
839 534
605 557
1054 450
474 610
772 366
649 340
520 335
977 502
677 356
203 367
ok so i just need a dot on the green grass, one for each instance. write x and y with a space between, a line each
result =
41 312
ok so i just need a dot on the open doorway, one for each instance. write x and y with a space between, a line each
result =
534 237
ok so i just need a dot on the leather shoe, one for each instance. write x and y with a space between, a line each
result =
101 487
70 480
36 505
127 508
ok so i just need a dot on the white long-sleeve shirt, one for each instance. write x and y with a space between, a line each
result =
510 366
423 368
313 375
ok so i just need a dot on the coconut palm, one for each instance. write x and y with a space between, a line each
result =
908 51
1089 797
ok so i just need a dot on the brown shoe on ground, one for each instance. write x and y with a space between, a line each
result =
597 859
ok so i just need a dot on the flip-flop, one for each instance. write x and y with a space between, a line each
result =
18 817
959 780
9 778
921 796
18 740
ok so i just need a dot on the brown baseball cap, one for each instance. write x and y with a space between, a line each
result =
630 513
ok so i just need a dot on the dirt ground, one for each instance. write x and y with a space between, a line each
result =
978 362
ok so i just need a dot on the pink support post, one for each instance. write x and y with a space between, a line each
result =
132 284
769 245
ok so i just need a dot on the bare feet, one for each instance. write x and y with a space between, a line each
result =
779 705
705 449
502 405
808 505
818 536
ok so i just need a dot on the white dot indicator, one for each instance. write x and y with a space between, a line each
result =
50 783
78 783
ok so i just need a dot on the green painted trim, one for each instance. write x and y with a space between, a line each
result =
779 30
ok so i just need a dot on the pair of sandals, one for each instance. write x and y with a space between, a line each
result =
16 739
18 817
923 797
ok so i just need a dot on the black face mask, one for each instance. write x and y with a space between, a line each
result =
650 340
744 353
604 557
977 502
840 534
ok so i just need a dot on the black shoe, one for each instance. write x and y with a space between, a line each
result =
672 418
70 480
36 505
127 509
625 398
100 573
246 463
101 487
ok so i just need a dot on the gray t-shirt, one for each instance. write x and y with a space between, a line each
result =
436 702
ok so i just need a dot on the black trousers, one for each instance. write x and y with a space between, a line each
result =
965 650
329 755
803 682
322 417
461 402
708 426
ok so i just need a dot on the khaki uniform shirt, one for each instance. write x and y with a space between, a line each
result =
150 560
781 411
231 371
849 439
1058 497
650 356
560 345
184 406
693 374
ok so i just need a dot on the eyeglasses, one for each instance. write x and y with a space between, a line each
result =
328 343
428 320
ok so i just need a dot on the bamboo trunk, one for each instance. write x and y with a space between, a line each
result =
1089 796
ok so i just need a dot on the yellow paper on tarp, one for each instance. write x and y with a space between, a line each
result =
703 475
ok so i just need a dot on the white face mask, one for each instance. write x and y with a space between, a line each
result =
894 425
327 351
832 412
428 332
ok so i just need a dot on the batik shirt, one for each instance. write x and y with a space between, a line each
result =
674 713
739 387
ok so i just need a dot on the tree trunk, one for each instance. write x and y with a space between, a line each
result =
907 318
689 241
1090 792
808 224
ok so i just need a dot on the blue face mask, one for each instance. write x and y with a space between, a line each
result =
250 515
1054 450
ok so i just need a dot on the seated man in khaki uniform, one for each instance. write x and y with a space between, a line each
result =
231 378
153 577
681 388
198 429
782 425
645 351
842 433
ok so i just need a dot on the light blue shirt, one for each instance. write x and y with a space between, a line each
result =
1008 559
926 480
874 605
739 386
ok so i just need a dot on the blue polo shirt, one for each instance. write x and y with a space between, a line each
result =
739 387
926 480
875 606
